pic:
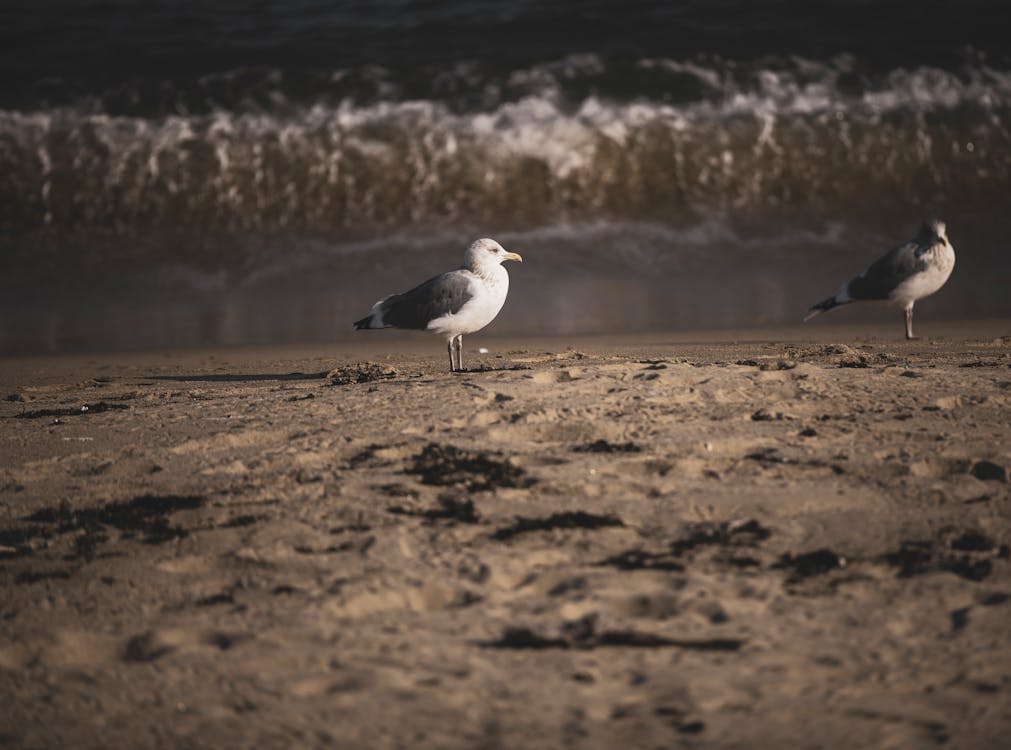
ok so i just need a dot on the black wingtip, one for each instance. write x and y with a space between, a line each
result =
824 306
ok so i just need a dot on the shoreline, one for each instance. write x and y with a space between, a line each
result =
390 342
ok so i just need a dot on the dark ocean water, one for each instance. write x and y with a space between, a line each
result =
172 173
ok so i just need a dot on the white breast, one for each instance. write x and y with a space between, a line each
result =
489 294
928 280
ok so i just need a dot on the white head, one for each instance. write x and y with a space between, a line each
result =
933 231
486 254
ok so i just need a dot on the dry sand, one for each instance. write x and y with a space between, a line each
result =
792 538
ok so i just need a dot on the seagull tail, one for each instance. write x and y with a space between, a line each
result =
825 305
374 319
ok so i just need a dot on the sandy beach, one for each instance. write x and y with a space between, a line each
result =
773 538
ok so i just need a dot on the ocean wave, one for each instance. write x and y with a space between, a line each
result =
749 143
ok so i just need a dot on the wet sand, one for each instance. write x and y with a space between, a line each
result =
780 538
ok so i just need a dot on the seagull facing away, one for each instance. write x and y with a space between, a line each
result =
910 272
453 303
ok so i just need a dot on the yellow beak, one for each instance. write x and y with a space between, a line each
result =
514 256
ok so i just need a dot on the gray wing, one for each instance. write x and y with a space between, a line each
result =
443 295
887 272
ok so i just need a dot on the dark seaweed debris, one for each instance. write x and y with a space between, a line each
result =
17 542
729 535
989 471
34 576
808 564
242 520
858 362
569 520
959 618
968 554
602 446
98 408
995 598
145 647
367 456
209 601
449 508
584 634
360 372
724 533
147 515
767 457
446 465
637 559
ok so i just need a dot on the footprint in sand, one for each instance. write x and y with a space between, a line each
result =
64 649
550 377
154 644
425 598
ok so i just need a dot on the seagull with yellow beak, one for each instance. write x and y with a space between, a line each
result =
453 303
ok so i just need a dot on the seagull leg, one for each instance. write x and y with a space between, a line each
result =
459 352
909 323
452 364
